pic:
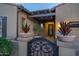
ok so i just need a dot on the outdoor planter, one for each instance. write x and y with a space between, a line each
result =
66 38
26 34
64 30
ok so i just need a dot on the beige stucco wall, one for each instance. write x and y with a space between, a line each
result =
68 12
30 21
11 13
66 51
26 37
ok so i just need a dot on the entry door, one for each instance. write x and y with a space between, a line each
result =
50 29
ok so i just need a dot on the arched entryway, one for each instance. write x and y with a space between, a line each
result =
42 47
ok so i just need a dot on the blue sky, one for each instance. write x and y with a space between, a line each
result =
38 6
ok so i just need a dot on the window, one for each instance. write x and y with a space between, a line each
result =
74 24
3 26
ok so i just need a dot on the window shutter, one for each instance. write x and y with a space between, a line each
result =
4 26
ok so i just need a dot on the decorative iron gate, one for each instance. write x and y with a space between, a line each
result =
42 47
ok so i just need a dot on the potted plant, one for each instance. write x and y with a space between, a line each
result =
64 30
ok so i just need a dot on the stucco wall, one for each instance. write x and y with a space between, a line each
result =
30 21
66 51
11 13
68 12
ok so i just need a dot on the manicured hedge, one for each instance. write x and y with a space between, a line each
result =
5 47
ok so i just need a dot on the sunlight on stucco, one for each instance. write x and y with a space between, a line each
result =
57 26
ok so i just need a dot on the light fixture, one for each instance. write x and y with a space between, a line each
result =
41 25
59 25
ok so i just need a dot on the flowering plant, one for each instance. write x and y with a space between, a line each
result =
64 28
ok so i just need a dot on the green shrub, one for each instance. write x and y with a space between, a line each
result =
5 47
37 29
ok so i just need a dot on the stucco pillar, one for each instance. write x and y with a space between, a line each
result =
22 46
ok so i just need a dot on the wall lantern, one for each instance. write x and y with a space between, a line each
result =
41 25
59 25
